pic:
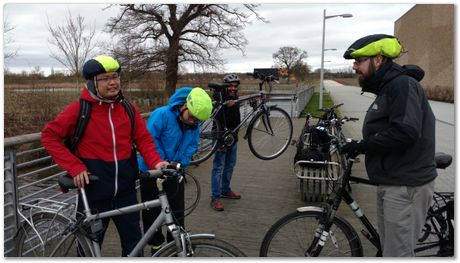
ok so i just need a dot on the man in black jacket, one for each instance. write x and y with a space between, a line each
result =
398 141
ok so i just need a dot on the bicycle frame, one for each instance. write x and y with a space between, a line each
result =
165 217
261 107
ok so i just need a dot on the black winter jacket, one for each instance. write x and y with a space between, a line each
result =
399 128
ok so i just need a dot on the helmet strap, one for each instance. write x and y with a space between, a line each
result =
373 66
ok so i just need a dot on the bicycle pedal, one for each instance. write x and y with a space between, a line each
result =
293 142
357 160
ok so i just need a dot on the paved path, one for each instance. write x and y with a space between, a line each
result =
269 190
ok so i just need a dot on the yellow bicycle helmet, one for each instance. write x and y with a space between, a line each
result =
199 104
374 45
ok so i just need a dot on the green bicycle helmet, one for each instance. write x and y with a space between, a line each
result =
199 104
98 65
374 45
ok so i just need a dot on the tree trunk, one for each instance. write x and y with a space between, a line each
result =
172 67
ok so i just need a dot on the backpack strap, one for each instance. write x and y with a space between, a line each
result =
129 109
83 119
82 122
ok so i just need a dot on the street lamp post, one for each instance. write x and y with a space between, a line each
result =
321 85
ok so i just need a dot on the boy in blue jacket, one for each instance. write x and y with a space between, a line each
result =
175 130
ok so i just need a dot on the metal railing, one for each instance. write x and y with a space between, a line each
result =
30 174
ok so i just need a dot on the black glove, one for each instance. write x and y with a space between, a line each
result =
354 148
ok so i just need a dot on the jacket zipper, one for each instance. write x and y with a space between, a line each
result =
114 149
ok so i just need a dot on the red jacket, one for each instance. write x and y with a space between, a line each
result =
105 148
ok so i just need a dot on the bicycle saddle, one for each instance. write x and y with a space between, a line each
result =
217 86
443 160
65 182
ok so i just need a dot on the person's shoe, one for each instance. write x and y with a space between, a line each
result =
217 205
231 195
154 249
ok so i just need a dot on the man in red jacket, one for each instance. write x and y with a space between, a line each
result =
105 149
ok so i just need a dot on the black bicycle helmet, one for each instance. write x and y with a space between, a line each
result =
374 45
231 78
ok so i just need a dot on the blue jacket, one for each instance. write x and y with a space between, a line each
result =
174 140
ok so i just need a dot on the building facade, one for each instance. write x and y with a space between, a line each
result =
426 33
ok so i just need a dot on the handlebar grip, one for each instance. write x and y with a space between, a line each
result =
174 165
151 174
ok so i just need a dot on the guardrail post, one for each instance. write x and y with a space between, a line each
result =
10 202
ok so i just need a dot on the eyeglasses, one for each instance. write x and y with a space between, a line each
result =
360 60
233 85
108 78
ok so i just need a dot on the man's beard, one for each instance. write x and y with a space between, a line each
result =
365 80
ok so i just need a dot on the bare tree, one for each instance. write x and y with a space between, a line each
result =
167 35
8 51
288 57
74 43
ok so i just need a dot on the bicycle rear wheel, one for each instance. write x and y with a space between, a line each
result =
293 235
40 238
209 133
270 134
204 247
74 244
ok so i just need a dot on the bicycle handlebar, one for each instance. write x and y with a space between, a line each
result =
172 170
331 108
262 77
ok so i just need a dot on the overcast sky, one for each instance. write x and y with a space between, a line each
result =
296 25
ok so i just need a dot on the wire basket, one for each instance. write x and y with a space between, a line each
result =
317 179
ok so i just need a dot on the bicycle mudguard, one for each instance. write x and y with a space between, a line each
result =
193 236
310 208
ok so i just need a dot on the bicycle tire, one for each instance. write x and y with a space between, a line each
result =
49 227
268 146
204 247
209 134
288 237
189 193
74 244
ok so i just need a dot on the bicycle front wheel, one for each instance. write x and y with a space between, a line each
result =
209 133
294 235
74 244
204 247
39 238
269 134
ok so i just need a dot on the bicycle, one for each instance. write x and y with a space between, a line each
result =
269 132
317 163
77 236
37 231
319 231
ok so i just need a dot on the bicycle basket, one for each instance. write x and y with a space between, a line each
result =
312 156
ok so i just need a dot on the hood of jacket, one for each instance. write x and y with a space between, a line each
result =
89 95
388 72
179 97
